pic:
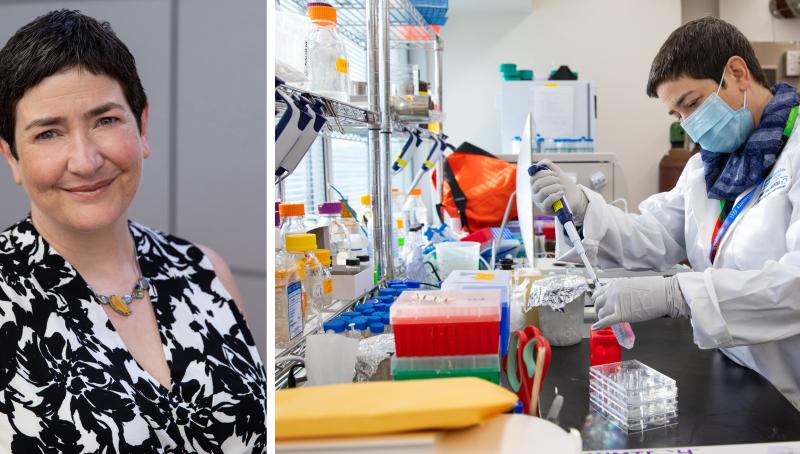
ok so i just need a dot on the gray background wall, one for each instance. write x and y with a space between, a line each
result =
203 65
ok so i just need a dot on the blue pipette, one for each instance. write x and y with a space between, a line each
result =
622 331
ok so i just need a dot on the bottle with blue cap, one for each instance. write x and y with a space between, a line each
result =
376 328
386 299
357 328
335 325
386 319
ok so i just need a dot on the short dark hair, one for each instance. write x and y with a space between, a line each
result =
56 42
700 49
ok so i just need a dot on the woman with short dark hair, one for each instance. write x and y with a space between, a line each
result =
115 337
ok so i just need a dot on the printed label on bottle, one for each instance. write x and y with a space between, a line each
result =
341 65
317 291
327 286
294 300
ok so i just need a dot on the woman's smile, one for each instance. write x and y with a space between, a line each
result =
90 191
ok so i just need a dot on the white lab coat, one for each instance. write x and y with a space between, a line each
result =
748 302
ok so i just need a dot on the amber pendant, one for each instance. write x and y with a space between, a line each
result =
119 306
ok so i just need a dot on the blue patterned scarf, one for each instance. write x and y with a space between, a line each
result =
730 174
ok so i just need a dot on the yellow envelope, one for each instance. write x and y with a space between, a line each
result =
387 407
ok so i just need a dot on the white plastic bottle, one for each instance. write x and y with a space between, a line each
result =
326 58
302 247
330 215
289 321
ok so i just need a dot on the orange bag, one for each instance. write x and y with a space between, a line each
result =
477 185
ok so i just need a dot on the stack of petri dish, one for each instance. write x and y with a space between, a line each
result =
633 396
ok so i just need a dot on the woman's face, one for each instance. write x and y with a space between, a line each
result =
80 150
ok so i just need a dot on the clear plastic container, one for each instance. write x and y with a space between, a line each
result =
414 210
302 247
326 57
291 219
289 321
457 255
364 211
330 216
440 323
481 366
358 328
633 396
359 243
405 80
324 257
366 218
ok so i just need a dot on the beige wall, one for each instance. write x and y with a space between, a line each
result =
695 9
609 41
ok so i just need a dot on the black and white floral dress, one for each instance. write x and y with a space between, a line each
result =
69 385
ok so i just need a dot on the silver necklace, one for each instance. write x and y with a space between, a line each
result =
121 304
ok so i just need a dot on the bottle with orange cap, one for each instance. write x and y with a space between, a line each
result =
359 243
291 219
364 210
415 211
326 58
366 218
302 246
289 319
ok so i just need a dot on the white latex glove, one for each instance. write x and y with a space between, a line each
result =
550 185
638 299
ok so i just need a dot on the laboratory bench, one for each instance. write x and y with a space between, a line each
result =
719 402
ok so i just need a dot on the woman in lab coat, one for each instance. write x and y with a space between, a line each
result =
734 213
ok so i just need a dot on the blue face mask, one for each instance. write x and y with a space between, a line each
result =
717 127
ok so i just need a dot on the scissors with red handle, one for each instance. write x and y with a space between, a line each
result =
526 364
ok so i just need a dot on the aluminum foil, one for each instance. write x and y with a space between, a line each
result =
372 362
557 291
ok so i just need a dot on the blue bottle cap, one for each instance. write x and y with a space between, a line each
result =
373 318
386 291
335 324
385 299
376 327
382 308
351 314
360 322
385 318
395 282
371 301
412 284
365 308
